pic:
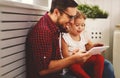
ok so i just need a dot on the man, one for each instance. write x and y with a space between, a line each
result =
42 46
43 54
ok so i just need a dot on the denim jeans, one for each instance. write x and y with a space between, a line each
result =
107 73
108 70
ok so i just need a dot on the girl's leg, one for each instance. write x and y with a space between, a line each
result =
99 66
79 71
96 62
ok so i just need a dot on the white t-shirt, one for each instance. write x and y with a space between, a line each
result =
72 44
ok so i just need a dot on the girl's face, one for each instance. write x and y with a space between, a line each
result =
78 26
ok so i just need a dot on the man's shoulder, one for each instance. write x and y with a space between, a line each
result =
41 24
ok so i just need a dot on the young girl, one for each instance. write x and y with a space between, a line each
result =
76 38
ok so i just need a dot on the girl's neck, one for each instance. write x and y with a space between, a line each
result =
75 37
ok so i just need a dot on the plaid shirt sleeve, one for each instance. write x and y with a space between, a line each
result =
41 47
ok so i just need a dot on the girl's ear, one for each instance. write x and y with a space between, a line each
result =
68 27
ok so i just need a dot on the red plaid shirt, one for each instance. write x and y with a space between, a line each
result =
42 46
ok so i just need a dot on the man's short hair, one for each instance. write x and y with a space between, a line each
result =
62 4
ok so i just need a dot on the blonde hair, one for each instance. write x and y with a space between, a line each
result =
80 15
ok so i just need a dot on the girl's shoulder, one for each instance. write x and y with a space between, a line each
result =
66 37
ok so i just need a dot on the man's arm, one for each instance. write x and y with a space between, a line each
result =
56 65
41 45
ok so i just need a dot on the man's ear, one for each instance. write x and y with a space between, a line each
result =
56 12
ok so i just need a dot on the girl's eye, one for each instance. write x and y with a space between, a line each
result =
82 25
77 24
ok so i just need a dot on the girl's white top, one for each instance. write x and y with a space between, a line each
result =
72 44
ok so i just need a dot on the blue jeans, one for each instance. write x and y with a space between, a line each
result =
108 70
107 73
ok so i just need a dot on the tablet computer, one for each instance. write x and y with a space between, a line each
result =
97 50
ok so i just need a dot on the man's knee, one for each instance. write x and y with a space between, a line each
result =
108 70
108 65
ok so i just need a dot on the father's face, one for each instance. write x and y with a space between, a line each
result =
65 17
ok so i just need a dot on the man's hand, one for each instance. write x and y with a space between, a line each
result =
82 56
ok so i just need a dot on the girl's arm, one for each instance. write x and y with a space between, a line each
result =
90 45
65 51
64 48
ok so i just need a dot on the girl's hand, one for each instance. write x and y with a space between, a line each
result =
75 51
98 44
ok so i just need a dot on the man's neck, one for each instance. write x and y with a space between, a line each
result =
52 17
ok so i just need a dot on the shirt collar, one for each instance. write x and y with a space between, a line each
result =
53 27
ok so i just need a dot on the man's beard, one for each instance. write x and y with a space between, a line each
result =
62 28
